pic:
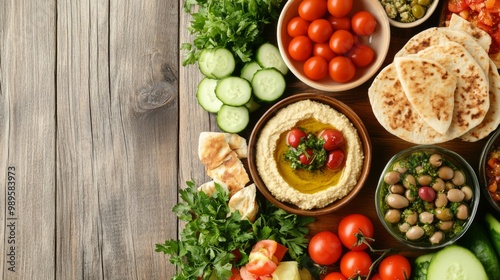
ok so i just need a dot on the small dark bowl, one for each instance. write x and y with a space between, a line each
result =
335 104
493 142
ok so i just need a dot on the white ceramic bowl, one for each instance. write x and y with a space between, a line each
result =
427 15
379 41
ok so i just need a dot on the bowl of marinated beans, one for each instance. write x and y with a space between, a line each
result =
427 196
408 13
489 170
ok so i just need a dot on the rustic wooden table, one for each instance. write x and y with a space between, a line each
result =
99 129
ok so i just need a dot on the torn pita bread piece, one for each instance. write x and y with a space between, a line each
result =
209 187
232 172
492 119
245 201
472 91
214 147
430 89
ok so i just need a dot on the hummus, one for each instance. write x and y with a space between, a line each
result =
307 189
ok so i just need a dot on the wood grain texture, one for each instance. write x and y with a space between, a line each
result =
89 119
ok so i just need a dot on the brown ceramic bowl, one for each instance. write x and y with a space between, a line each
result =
492 144
340 107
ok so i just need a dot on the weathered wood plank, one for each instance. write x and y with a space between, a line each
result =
27 139
117 138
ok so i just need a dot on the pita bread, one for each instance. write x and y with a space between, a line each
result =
434 104
209 187
232 172
439 35
481 36
245 201
472 92
214 147
492 119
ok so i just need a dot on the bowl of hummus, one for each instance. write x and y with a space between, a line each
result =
309 154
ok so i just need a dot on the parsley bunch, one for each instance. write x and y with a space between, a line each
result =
212 234
237 25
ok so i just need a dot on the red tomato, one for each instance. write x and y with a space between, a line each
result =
335 276
341 41
297 26
353 225
339 8
280 252
340 23
334 139
306 159
316 68
312 9
341 69
394 267
320 30
300 48
363 23
361 55
376 277
236 274
260 260
323 50
294 137
335 159
325 248
456 6
355 263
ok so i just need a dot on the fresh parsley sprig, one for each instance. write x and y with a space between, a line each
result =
212 234
319 154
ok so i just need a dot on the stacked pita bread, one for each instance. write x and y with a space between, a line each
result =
221 153
442 85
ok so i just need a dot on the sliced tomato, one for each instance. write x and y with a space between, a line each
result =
236 274
280 252
266 247
456 6
259 264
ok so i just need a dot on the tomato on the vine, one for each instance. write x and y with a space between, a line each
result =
323 50
355 263
352 227
320 30
361 55
363 23
341 69
335 276
300 48
376 276
325 248
312 9
294 137
297 26
339 8
316 68
394 267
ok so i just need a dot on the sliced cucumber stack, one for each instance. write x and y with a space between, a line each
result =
216 63
268 56
234 91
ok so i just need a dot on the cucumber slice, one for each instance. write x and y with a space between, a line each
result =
216 63
455 263
268 84
269 56
234 91
249 69
205 94
493 226
421 265
233 119
252 105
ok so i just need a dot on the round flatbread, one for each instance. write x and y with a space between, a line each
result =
434 104
492 118
481 36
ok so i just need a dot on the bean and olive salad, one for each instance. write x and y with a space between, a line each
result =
406 10
426 198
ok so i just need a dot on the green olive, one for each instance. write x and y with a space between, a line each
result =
414 2
423 2
418 11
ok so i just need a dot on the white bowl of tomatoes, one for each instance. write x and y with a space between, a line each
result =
333 45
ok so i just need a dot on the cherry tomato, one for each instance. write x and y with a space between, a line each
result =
363 23
340 23
297 26
427 193
294 137
316 68
306 159
394 267
355 263
341 69
325 248
341 41
323 50
335 276
352 226
260 260
376 276
312 9
334 139
361 55
339 8
300 48
335 159
320 30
